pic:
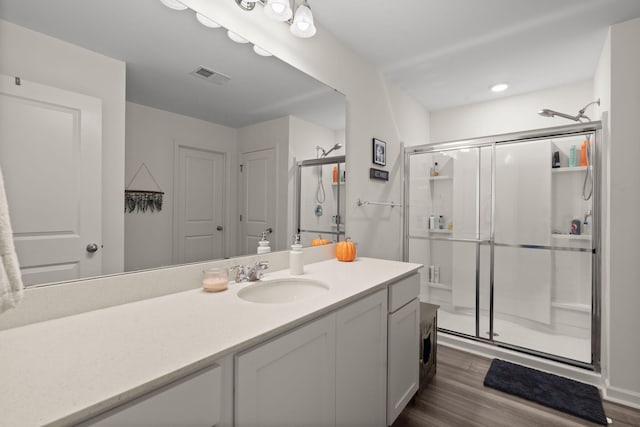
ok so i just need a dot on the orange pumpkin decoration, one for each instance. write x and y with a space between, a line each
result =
319 241
346 250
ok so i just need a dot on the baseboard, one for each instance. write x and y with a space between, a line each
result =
622 396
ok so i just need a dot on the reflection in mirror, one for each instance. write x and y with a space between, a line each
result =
123 95
321 207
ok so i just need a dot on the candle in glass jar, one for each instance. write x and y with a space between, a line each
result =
215 280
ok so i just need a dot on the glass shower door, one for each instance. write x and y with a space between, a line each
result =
448 220
507 231
541 279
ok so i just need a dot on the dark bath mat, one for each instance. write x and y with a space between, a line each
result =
572 397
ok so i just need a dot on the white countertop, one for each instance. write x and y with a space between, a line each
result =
65 370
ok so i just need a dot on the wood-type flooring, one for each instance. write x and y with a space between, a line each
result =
457 397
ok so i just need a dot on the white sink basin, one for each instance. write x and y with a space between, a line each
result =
282 290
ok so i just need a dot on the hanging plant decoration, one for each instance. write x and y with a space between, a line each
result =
143 200
135 200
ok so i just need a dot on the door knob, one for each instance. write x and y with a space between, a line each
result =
92 247
219 228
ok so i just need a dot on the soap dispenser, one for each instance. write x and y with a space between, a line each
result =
296 264
263 244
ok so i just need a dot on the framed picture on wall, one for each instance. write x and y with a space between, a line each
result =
379 152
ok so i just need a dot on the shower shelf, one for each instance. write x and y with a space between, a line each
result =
567 169
439 178
440 231
571 236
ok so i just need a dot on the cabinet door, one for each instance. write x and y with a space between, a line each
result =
403 358
289 381
194 401
361 360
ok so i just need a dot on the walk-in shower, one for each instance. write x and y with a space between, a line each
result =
497 231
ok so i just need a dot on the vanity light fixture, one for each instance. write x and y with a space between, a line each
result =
303 20
499 87
174 4
300 23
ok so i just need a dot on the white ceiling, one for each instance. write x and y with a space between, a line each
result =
447 53
444 53
161 47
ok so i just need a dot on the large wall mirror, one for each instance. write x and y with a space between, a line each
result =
98 97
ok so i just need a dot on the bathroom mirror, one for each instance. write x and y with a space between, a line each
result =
246 110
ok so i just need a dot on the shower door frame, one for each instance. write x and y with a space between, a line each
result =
517 137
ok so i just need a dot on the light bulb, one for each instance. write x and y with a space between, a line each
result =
173 4
207 22
303 23
278 10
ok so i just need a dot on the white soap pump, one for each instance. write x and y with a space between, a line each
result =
263 244
296 264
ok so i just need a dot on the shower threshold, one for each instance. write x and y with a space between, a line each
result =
569 347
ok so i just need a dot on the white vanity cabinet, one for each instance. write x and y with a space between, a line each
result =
290 380
361 361
328 372
197 400
403 347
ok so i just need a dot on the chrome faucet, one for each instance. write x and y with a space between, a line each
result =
587 214
246 274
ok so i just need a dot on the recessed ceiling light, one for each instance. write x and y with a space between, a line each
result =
500 87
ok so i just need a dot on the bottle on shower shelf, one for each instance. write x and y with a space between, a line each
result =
575 227
583 154
572 156
432 221
435 169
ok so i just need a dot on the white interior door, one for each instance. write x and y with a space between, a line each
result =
257 197
55 202
199 201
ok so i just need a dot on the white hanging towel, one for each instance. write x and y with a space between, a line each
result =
11 288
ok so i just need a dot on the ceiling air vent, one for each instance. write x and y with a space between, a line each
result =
210 75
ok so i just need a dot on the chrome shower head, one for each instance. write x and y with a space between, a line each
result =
578 118
551 113
326 153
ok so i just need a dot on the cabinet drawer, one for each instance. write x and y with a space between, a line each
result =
403 291
194 401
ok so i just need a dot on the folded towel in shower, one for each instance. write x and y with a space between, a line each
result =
11 288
